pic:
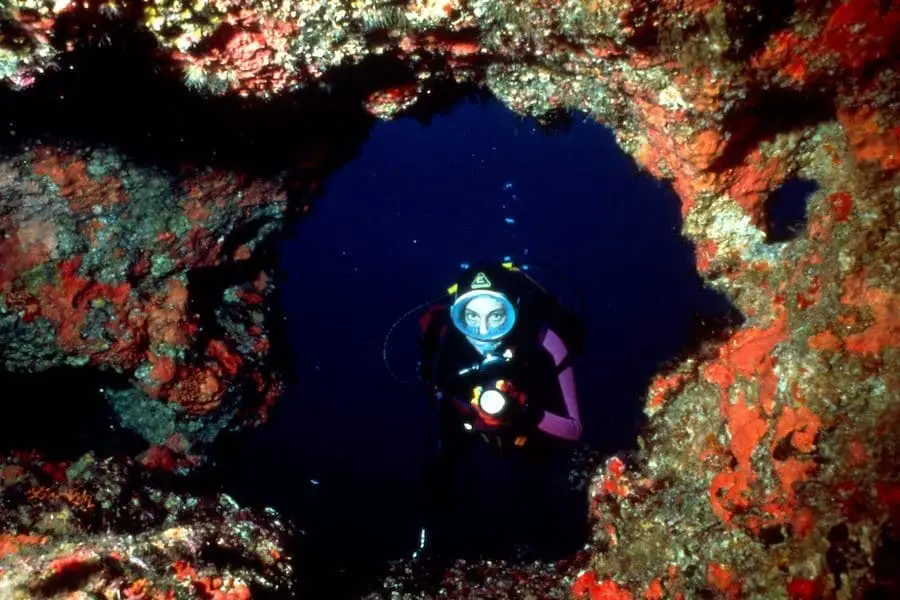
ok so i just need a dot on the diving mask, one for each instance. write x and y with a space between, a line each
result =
483 315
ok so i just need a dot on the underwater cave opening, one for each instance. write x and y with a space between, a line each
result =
343 453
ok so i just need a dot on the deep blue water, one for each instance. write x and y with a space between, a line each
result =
344 450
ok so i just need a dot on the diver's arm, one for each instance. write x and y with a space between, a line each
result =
566 427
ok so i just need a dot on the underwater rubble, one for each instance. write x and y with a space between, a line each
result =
768 467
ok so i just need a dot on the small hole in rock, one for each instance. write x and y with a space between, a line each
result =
785 209
772 535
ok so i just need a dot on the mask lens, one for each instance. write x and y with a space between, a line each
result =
483 315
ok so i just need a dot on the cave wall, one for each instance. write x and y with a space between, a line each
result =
767 468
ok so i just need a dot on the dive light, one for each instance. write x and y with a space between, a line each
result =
492 401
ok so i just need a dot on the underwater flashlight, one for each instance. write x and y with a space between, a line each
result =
492 402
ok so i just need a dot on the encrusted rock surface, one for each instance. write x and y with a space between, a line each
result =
108 528
97 257
769 465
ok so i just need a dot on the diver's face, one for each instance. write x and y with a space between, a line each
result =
485 314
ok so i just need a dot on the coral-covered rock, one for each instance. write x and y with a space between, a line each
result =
466 580
110 529
107 264
768 467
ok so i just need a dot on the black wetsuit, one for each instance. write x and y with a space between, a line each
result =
532 476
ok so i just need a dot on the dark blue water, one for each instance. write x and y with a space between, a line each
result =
344 450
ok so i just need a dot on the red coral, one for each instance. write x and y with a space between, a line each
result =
171 454
73 562
786 52
166 316
861 32
723 579
391 101
196 211
654 590
705 253
888 492
749 355
247 55
858 455
56 471
684 161
746 427
183 570
790 472
664 387
803 521
753 182
10 474
746 353
10 544
856 35
611 482
242 252
810 295
228 360
69 173
728 489
250 298
801 424
158 457
805 589
204 246
270 388
841 205
38 27
884 307
68 302
707 146
872 136
163 370
216 588
587 584
212 187
198 390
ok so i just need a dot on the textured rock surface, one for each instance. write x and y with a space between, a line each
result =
767 469
97 257
108 529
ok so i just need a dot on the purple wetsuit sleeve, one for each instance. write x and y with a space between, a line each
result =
566 427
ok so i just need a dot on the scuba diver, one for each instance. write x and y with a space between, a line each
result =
497 358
